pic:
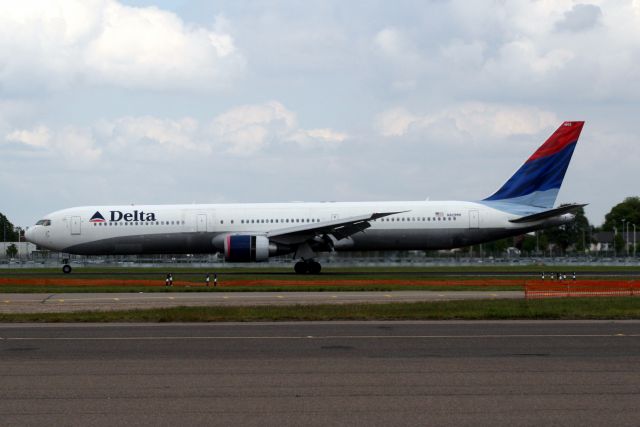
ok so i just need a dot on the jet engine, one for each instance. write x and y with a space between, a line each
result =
247 248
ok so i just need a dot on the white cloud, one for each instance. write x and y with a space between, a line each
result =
523 49
313 136
76 146
151 135
57 43
39 137
475 119
249 128
395 122
243 131
521 58
405 59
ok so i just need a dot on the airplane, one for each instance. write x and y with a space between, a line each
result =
257 231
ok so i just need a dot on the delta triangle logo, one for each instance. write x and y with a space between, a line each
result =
97 217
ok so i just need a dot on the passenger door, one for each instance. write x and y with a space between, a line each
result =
201 222
75 225
474 219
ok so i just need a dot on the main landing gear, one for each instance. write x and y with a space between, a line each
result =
307 267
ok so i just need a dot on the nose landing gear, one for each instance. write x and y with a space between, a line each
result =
66 269
307 267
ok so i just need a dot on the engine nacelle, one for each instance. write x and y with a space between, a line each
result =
246 248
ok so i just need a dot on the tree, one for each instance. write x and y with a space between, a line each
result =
570 234
7 230
496 247
12 251
618 244
628 210
529 244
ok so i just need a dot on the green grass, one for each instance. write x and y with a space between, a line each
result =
28 289
288 271
565 308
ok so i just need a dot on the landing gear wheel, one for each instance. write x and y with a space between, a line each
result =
66 269
314 267
301 267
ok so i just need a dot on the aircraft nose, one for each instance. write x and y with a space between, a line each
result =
30 235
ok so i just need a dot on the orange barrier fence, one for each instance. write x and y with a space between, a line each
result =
581 288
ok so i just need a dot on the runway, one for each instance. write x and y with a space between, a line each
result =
331 373
68 302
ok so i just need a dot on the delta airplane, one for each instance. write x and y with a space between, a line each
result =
255 232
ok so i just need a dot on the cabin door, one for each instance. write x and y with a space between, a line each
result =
201 222
75 225
474 219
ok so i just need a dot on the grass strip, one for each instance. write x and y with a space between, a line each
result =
27 289
565 308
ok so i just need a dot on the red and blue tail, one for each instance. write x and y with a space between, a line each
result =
538 181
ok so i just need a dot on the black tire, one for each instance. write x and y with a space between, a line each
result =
301 267
66 269
315 267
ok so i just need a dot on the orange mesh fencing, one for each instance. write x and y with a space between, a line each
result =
581 288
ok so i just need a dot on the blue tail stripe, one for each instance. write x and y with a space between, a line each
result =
538 175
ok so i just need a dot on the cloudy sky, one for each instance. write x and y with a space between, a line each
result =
117 102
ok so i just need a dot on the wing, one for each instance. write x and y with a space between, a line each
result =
339 229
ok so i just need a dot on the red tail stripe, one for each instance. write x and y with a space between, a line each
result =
566 134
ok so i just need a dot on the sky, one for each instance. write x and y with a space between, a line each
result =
117 102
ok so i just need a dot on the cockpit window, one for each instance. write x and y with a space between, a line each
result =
44 222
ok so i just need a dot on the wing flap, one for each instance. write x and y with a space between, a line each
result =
339 228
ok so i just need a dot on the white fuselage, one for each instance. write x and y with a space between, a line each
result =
197 228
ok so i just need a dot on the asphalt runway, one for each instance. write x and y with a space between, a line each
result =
68 302
317 374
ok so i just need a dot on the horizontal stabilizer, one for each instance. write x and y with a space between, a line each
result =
547 214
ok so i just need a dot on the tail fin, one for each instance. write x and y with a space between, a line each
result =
538 181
